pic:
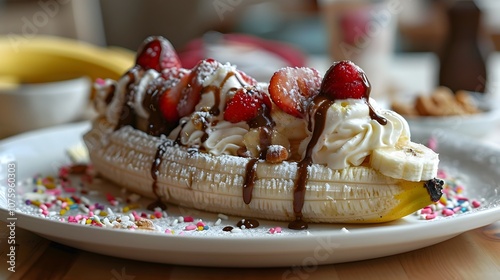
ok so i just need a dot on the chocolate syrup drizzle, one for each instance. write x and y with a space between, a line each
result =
320 106
127 114
381 120
250 178
155 170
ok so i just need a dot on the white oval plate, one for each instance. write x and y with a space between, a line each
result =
44 150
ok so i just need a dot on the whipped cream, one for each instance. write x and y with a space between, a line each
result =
140 92
350 134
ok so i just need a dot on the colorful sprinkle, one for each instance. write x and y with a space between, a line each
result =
190 227
452 202
476 203
223 217
274 230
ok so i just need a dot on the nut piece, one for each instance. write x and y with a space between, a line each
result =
442 102
145 224
276 154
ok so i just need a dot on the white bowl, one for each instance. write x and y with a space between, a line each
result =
32 106
473 125
47 81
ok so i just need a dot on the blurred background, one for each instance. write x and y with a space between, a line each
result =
292 32
421 24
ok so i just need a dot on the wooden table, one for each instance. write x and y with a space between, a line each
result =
472 255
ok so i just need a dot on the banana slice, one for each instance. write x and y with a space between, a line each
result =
410 161
251 188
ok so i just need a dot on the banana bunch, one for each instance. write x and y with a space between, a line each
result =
47 59
215 183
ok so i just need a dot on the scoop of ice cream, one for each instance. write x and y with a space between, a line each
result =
350 134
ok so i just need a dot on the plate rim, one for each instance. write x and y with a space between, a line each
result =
470 220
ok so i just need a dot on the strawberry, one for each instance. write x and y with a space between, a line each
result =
293 88
247 79
246 104
345 80
157 53
169 99
184 89
191 90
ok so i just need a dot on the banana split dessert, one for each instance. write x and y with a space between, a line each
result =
301 148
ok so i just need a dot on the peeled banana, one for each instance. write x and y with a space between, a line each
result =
157 167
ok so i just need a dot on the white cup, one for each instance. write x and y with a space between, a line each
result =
363 31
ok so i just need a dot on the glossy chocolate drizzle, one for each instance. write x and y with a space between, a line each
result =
322 104
155 170
319 108
127 114
381 120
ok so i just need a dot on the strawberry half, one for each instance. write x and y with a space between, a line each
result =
184 92
293 88
169 99
245 105
345 80
157 53
247 79
190 93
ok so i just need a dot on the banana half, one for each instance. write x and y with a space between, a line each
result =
157 167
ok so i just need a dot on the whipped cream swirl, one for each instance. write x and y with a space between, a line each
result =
350 134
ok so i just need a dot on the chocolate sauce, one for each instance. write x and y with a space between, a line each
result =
157 125
373 115
227 228
247 223
214 110
243 224
264 122
263 118
298 224
321 105
250 177
155 169
127 115
110 94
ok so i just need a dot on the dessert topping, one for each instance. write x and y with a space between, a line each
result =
157 53
180 99
246 104
345 80
293 88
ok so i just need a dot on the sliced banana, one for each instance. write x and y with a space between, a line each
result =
410 161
